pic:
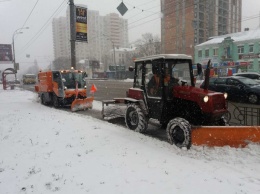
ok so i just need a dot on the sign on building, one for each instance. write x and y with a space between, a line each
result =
116 68
6 53
81 24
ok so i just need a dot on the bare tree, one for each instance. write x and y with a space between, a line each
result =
148 45
33 69
61 63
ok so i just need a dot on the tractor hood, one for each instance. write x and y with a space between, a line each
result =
209 101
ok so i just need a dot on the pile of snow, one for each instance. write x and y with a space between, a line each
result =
46 150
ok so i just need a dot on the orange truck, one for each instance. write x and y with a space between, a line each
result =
63 88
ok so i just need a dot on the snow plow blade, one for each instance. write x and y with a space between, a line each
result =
233 136
82 104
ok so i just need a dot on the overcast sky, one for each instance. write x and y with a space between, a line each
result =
37 41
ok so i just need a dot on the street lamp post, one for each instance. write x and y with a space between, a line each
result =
15 33
108 38
114 58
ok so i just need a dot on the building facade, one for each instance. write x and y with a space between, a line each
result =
59 35
238 52
188 23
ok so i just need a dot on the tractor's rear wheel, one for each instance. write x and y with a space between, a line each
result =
179 132
135 119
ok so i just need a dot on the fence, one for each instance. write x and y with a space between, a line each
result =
243 114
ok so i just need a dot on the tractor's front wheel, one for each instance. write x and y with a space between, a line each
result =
179 132
135 119
222 122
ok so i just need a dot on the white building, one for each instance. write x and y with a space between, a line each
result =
59 34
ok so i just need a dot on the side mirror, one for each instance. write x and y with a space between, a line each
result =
131 68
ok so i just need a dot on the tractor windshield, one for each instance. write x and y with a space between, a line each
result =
72 77
180 70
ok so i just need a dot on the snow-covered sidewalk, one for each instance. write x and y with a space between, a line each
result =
46 150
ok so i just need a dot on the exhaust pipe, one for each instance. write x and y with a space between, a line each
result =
206 81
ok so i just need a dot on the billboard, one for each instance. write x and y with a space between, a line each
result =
81 24
6 53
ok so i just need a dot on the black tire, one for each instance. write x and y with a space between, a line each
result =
56 102
253 98
135 119
179 132
43 99
222 122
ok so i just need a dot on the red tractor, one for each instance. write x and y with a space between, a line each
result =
164 90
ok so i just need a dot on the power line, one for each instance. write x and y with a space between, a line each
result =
43 28
30 13
137 7
131 17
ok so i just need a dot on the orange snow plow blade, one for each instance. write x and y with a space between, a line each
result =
233 136
82 104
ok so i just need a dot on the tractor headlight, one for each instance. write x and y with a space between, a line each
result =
65 88
206 99
225 95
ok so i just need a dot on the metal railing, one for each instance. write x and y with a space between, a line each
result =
243 114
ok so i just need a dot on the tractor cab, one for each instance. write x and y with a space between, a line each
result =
157 76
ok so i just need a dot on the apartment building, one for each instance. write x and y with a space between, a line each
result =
188 23
59 35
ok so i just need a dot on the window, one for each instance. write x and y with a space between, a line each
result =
138 81
240 49
232 82
206 52
220 81
200 53
215 51
251 48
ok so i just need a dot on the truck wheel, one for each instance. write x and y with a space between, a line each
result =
56 103
135 118
43 99
179 132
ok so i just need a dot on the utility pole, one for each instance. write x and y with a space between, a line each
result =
16 32
114 59
72 34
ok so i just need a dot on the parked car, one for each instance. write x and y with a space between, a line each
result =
238 88
252 75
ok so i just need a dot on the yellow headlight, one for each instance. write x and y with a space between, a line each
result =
225 95
206 99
